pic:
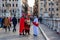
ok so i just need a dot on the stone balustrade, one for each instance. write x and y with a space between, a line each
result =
52 23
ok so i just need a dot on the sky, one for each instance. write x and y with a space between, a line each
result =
31 3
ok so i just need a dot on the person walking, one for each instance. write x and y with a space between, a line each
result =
6 24
35 26
22 24
14 21
0 21
40 19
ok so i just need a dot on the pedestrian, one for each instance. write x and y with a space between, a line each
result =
40 19
21 23
27 25
14 21
0 21
6 24
35 26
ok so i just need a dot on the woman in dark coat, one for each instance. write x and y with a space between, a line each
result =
14 20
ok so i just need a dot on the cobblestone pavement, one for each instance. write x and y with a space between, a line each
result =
15 36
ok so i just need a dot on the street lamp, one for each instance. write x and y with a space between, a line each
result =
51 15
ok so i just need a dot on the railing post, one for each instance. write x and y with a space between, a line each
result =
58 28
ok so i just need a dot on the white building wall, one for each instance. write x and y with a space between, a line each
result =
20 8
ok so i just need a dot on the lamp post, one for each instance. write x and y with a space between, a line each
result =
51 15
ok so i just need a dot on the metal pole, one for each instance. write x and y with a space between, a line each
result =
51 13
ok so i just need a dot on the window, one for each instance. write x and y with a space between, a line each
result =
41 0
57 4
52 9
41 9
13 10
13 0
53 0
10 5
57 14
3 5
9 0
16 5
5 0
41 4
49 3
2 0
57 9
10 10
49 9
52 3
16 0
48 0
4 10
13 5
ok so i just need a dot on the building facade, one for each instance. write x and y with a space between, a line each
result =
35 8
48 8
25 6
11 5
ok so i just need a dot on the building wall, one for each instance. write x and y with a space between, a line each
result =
35 8
0 4
13 7
55 9
20 8
24 6
59 7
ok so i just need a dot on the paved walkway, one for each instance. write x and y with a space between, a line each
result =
15 36
52 35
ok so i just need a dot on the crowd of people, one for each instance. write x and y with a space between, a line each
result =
5 22
24 24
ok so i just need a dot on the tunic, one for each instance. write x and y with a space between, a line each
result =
35 26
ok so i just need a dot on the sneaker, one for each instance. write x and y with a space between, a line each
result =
34 35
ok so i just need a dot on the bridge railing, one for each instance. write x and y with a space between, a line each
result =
52 23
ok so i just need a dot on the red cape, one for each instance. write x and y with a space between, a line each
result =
22 20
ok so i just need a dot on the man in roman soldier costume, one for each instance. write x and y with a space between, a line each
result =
27 24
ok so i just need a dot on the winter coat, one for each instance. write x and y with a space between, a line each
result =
14 20
6 22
